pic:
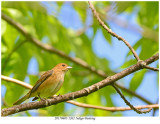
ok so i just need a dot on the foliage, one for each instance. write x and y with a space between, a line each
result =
45 25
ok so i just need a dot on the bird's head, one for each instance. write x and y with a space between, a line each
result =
63 67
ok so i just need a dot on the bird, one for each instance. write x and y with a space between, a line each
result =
49 84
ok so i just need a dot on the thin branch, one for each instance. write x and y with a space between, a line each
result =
81 93
28 86
111 108
133 94
51 49
151 68
111 32
144 65
154 110
129 104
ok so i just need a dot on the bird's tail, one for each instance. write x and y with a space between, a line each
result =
22 99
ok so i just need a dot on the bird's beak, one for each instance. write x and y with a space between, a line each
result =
69 67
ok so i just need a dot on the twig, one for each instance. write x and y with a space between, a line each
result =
77 94
129 104
144 65
133 93
154 110
111 108
28 86
111 32
151 68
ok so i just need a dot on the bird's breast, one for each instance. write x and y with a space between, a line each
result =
51 85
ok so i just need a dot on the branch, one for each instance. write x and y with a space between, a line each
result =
129 104
77 94
28 86
134 94
111 32
154 110
51 49
144 65
151 68
112 108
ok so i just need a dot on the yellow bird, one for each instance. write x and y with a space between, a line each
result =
48 84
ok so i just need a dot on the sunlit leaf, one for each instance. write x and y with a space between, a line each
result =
136 80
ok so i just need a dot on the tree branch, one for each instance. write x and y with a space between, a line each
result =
113 109
151 68
154 110
111 32
144 65
129 104
134 94
28 86
51 49
84 92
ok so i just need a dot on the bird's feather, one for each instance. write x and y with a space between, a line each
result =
45 76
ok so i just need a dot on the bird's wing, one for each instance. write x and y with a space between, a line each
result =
45 76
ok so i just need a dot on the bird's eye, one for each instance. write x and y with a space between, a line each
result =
63 65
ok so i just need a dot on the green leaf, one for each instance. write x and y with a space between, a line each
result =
137 79
33 79
3 27
124 6
128 63
148 48
81 7
107 36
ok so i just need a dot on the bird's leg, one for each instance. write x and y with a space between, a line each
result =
44 99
